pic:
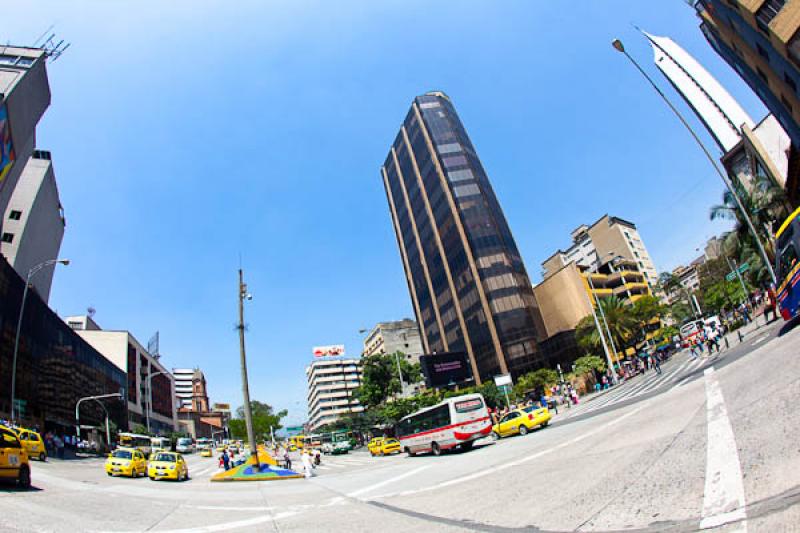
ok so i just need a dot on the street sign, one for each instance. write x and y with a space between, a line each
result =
744 267
503 379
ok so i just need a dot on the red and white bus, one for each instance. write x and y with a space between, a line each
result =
456 421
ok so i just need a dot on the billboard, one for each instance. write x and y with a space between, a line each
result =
329 351
7 155
445 369
222 407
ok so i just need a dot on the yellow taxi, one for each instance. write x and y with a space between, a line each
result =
521 421
32 442
221 448
168 465
383 446
126 462
206 452
13 458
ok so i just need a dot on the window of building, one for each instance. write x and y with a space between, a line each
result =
762 51
786 104
762 75
790 82
734 4
15 215
466 190
8 237
767 12
448 148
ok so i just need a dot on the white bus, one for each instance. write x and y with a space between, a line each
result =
204 443
184 445
456 421
143 443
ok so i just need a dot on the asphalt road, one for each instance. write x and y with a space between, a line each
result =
714 446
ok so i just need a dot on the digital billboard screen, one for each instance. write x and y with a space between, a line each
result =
445 369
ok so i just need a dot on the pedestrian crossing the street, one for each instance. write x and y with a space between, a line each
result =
671 374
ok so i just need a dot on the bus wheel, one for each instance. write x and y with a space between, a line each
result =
436 449
409 452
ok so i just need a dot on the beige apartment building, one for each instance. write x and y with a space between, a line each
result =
608 240
331 384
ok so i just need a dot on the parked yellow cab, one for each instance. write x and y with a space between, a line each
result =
168 465
206 452
521 421
13 458
32 442
126 462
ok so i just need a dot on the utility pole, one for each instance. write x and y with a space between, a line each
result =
248 413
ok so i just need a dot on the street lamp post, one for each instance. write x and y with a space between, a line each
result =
248 412
97 399
149 406
617 44
32 272
600 332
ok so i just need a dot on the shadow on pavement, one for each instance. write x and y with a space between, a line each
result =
789 326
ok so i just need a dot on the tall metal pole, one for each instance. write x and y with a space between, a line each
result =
735 268
248 413
399 373
620 48
600 332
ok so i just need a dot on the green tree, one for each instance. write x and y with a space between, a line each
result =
680 312
535 380
380 380
141 429
264 418
589 363
620 320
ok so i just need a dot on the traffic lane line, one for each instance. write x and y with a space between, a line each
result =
723 497
506 465
388 481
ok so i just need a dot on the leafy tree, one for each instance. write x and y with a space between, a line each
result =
680 312
621 322
264 418
589 363
380 380
724 295
141 429
535 380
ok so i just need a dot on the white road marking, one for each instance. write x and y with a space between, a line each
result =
723 498
388 481
504 466
761 339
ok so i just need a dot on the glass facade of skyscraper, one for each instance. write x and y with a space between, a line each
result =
468 284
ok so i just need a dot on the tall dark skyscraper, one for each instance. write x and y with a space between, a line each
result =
467 281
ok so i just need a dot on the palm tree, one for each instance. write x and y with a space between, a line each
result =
620 320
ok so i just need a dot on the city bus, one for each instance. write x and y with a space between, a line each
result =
133 440
456 421
296 441
312 441
158 444
787 266
204 443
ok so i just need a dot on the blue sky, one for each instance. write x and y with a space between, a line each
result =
186 133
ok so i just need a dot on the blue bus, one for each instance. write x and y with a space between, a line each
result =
787 252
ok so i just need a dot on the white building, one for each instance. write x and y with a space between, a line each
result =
122 349
398 336
34 222
721 114
331 383
183 386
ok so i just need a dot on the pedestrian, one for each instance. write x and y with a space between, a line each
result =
59 444
605 381
657 363
226 460
308 467
287 461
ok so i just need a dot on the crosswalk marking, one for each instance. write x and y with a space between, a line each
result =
638 386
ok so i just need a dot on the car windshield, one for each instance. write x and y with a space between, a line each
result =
123 454
531 408
165 458
391 441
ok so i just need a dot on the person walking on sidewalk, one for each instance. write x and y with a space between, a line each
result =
656 363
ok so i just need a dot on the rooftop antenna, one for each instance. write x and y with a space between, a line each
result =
53 49
36 42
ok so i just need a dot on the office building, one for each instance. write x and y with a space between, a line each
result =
760 40
151 387
598 246
185 386
24 97
55 366
34 222
391 337
469 288
331 383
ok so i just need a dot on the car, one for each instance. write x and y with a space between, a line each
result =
234 448
168 465
126 462
32 442
13 458
221 448
383 446
522 421
206 452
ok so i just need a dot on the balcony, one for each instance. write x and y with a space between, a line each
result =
634 288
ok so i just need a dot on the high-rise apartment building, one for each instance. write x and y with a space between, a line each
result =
391 337
24 97
331 384
468 285
761 41
609 239
190 389
34 222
